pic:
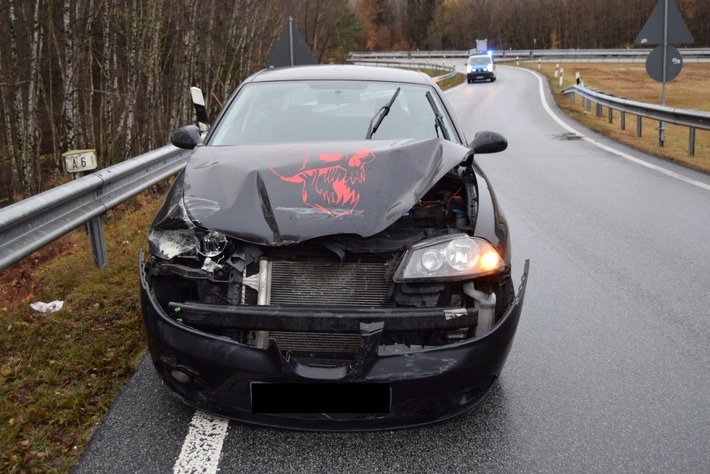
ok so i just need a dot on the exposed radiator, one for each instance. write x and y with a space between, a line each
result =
328 283
316 343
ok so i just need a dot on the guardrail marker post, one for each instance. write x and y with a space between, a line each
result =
611 115
623 120
77 162
638 126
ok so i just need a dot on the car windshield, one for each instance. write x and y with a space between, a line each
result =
295 111
479 61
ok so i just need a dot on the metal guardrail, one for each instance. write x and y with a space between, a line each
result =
31 224
533 54
398 64
693 119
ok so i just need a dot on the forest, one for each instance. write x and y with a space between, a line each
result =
114 75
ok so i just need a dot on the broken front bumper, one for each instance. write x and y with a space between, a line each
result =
383 387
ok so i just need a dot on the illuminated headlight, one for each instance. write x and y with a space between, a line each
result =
469 68
167 244
489 68
457 257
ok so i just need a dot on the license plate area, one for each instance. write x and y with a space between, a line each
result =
320 397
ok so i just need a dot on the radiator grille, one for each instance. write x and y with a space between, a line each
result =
315 343
329 283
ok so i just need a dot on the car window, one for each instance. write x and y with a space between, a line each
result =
479 60
283 112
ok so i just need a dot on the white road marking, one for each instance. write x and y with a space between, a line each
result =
203 445
618 153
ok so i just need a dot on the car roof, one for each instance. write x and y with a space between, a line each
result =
341 72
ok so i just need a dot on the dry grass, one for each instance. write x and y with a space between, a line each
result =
690 90
59 372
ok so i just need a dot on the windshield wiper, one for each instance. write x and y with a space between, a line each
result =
380 116
439 119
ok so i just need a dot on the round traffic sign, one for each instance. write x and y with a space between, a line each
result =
655 66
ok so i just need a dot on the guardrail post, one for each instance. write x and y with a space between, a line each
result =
623 120
638 126
691 141
599 109
611 115
98 242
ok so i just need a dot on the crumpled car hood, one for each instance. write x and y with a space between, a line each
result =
284 194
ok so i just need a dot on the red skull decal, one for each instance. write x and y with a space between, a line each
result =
330 181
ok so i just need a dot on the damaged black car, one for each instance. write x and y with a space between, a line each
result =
331 257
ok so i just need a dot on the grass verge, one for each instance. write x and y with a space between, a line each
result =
630 80
60 372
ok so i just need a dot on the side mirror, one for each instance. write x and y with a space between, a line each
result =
187 137
488 142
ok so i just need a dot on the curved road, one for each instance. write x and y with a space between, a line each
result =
610 370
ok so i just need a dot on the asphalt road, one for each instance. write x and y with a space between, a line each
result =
610 370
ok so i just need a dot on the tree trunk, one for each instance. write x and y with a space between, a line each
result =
69 89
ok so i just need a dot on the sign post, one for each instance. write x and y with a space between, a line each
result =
665 26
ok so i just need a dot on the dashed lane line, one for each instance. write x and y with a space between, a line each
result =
202 446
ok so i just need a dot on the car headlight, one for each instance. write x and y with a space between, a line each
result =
212 244
169 243
450 257
469 68
489 68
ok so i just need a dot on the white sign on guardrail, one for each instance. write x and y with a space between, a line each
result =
76 161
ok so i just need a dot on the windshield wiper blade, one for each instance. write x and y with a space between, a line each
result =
439 119
380 116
